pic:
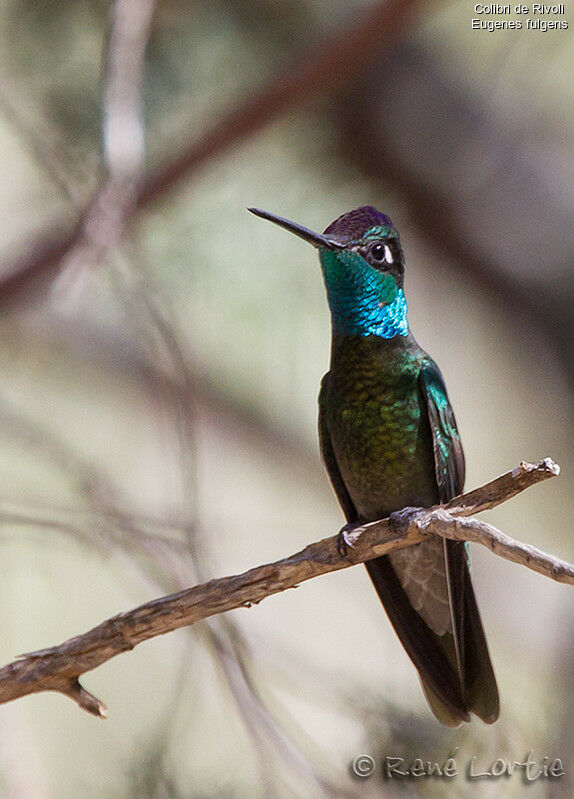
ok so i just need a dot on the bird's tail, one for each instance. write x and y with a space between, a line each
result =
428 595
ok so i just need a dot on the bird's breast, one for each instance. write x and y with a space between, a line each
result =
379 427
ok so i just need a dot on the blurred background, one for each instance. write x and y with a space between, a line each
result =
161 358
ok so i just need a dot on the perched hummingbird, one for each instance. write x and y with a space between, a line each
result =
389 441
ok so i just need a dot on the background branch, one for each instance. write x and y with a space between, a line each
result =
123 140
58 668
329 65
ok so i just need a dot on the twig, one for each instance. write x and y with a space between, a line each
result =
58 668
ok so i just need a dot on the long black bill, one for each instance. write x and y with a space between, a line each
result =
316 239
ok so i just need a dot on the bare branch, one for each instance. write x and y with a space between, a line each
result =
482 533
58 668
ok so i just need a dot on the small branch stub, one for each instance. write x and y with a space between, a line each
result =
58 668
86 700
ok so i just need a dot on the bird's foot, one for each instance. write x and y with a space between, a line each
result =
344 539
401 520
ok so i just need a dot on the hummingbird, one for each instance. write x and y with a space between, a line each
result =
389 441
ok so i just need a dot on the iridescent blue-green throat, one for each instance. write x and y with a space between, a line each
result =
363 301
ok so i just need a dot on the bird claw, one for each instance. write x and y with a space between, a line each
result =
401 520
344 542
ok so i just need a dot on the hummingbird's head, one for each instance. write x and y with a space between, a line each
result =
363 267
369 234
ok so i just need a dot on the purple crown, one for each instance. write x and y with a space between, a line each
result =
355 223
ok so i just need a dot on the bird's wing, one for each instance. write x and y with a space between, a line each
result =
475 669
330 460
448 453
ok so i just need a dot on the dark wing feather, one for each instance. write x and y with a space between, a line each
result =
330 460
448 453
477 676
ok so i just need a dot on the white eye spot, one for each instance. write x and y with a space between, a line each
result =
388 255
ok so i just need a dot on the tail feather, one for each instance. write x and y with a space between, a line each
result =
440 710
454 667
481 688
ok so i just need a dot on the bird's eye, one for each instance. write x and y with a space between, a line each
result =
380 253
